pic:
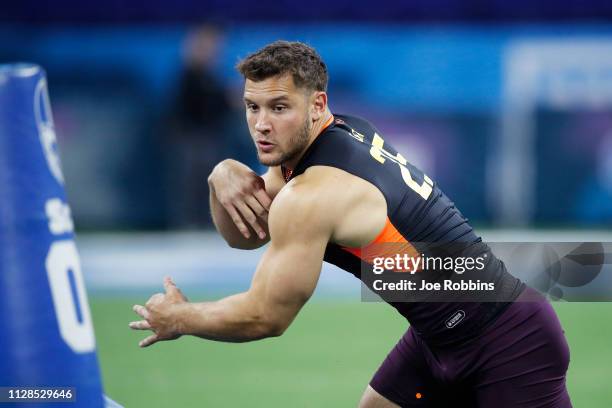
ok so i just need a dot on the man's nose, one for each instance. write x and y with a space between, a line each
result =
263 124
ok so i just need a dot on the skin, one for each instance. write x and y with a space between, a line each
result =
298 219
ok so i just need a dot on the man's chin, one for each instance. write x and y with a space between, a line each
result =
270 160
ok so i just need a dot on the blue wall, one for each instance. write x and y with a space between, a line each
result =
447 68
434 90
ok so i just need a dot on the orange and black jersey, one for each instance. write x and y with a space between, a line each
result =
419 215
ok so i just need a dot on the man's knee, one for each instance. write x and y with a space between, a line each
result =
372 399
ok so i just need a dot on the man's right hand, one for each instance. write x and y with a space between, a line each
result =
242 193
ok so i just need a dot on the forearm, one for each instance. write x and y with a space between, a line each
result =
233 319
227 228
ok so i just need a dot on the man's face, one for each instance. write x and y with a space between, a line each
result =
277 113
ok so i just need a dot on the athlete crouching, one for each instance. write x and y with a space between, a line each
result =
334 188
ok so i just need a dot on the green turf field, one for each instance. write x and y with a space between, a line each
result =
325 359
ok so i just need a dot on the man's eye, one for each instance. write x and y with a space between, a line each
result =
251 107
279 108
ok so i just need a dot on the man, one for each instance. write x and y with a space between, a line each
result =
199 113
334 190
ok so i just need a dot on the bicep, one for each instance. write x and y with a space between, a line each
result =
300 226
286 277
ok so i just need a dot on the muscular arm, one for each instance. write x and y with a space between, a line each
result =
323 205
284 280
239 203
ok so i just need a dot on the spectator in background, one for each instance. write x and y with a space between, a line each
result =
198 138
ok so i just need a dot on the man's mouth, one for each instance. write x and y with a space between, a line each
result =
265 146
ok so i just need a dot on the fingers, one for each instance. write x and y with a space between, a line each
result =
237 219
259 210
245 207
251 218
153 306
169 286
263 198
141 311
140 325
149 340
172 291
143 325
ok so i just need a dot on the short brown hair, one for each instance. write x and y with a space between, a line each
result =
285 57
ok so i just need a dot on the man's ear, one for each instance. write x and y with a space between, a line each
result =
318 105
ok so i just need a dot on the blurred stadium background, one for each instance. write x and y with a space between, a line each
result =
507 105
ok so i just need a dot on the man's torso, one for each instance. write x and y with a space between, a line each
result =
418 216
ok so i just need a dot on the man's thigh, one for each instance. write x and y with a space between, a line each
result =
372 399
404 379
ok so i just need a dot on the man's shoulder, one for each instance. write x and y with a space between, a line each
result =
347 136
322 190
352 124
321 184
327 200
309 190
348 119
312 199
